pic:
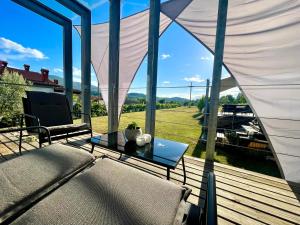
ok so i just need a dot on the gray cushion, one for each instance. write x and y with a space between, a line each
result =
26 175
110 193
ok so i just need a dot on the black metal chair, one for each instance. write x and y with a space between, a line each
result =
52 111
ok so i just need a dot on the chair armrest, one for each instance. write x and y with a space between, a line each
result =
31 117
28 128
86 114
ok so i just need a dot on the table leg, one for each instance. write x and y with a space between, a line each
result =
168 173
92 150
183 166
120 156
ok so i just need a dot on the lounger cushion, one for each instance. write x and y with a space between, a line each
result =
30 173
67 128
110 193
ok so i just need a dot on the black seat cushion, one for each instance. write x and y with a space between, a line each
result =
67 128
32 172
110 193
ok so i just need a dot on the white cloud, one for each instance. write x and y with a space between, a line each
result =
233 91
13 50
166 82
194 78
76 72
207 58
165 56
58 70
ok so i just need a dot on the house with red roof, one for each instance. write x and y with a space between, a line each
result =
40 81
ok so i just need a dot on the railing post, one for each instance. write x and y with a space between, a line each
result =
206 105
113 81
216 80
153 41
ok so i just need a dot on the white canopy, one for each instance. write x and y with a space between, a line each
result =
262 52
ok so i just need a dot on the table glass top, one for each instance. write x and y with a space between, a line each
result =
160 151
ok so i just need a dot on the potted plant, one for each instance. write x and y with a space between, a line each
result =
132 131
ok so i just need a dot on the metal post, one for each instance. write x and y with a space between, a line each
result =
206 109
216 80
153 37
68 64
86 65
66 23
191 86
114 48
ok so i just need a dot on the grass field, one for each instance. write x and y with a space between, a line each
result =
182 124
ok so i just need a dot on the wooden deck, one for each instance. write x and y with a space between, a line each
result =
243 197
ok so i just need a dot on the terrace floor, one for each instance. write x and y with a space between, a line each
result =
243 197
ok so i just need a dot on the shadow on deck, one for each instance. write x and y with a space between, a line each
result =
243 197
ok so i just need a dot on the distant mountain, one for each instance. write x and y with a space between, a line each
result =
76 85
135 96
131 97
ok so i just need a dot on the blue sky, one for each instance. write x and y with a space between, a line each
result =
26 37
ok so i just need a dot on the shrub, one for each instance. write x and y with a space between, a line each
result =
12 89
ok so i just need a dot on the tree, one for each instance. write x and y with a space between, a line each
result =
162 101
12 89
240 99
201 103
228 99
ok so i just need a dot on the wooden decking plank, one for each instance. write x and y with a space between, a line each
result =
284 192
272 211
250 212
223 221
249 172
271 181
7 148
273 197
236 217
257 184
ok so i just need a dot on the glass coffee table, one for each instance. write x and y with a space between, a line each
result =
162 152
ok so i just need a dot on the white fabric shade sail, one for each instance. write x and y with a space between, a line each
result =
262 53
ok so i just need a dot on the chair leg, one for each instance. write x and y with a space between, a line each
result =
20 142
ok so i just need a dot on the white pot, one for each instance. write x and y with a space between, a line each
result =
131 134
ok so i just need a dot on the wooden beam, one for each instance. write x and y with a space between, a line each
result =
216 79
153 42
113 81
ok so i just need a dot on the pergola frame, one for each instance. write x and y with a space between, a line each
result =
66 23
114 42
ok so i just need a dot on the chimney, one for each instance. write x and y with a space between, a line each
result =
26 67
55 81
3 64
45 74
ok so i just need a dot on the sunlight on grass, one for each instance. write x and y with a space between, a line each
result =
182 125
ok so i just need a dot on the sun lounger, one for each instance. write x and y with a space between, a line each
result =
26 178
113 193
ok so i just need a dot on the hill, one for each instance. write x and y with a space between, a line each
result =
76 85
136 96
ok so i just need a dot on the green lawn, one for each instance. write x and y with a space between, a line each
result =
182 124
